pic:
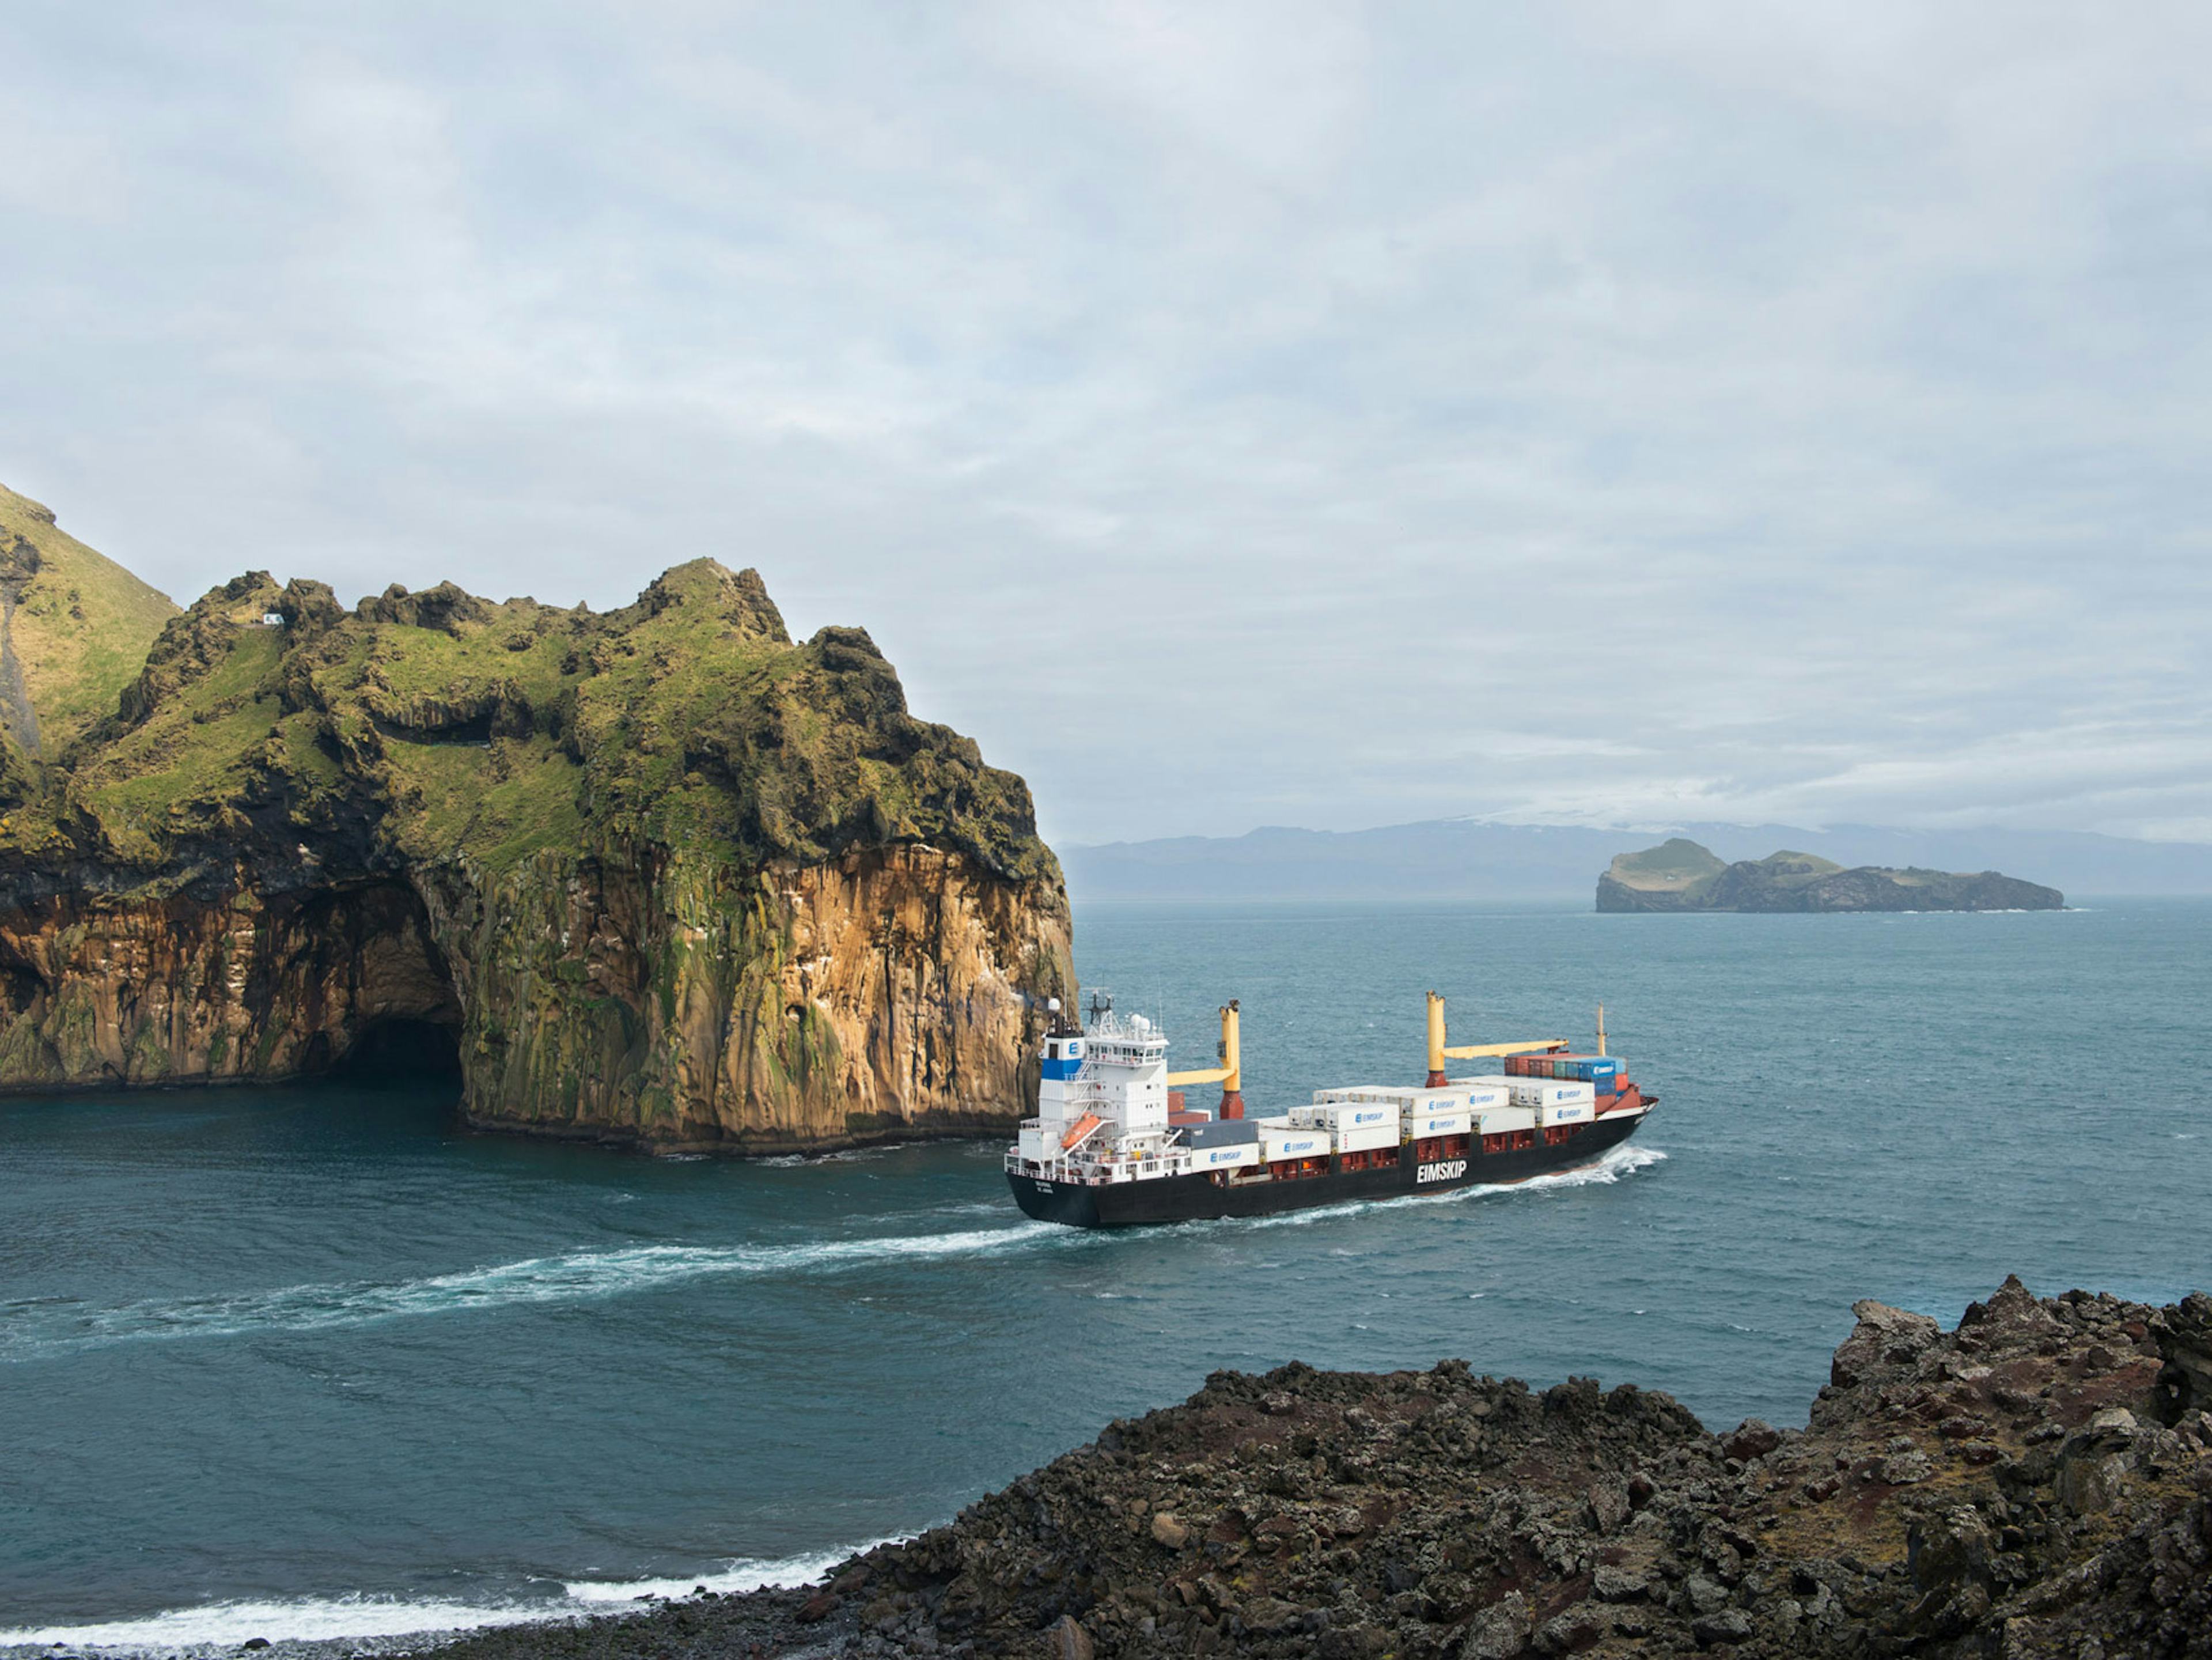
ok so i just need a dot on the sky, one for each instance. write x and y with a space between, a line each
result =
1286 413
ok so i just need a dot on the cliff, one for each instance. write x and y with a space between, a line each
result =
661 876
74 627
1679 875
2035 1483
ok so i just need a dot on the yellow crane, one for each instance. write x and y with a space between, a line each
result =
1230 1074
1438 1054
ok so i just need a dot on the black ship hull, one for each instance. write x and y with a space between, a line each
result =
1202 1197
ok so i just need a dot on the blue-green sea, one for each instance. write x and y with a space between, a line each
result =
316 1362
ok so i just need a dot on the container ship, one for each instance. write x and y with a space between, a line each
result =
1114 1145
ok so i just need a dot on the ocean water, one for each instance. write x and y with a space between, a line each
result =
315 1363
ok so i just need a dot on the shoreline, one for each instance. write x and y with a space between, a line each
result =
933 1128
2034 1478
2038 1477
391 1623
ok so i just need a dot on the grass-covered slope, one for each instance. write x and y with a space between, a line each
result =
1677 866
75 627
663 875
423 727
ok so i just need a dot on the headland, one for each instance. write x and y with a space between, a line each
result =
661 876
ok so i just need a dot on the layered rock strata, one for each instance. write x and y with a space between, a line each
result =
662 876
2034 1484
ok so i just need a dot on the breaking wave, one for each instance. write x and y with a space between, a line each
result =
29 1331
305 1626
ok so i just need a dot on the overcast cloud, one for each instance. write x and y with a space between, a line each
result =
1284 413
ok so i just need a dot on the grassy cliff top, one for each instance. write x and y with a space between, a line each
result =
1669 868
437 725
77 627
1793 868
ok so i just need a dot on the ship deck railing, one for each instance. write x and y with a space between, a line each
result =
1096 1172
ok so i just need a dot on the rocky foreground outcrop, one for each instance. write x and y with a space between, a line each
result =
2034 1484
661 876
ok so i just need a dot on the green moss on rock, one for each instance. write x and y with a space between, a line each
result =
423 728
674 876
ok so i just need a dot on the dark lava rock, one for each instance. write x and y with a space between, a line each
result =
1432 1515
1753 1438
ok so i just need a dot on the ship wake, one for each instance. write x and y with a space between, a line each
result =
1603 1172
30 1331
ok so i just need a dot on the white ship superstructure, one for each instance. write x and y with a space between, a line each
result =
1102 1103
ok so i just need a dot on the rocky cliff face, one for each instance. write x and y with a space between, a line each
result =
1682 876
662 876
2035 1484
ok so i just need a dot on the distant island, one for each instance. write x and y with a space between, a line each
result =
1451 860
1680 875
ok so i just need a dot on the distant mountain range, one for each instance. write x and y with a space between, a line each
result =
1463 859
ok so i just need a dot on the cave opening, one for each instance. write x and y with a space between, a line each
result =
398 1048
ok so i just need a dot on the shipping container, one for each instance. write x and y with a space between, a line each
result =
1244 1153
1226 1132
1482 1093
1501 1120
1564 1112
1543 1092
1377 1092
1598 1069
1423 1126
1365 1138
1335 1114
1292 1143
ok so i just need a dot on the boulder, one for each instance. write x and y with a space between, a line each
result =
1948 1547
1500 1631
1884 1339
1753 1438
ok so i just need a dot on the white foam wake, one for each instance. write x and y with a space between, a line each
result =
218 1628
30 1331
1615 1164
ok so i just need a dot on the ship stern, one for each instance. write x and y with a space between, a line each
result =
1072 1204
